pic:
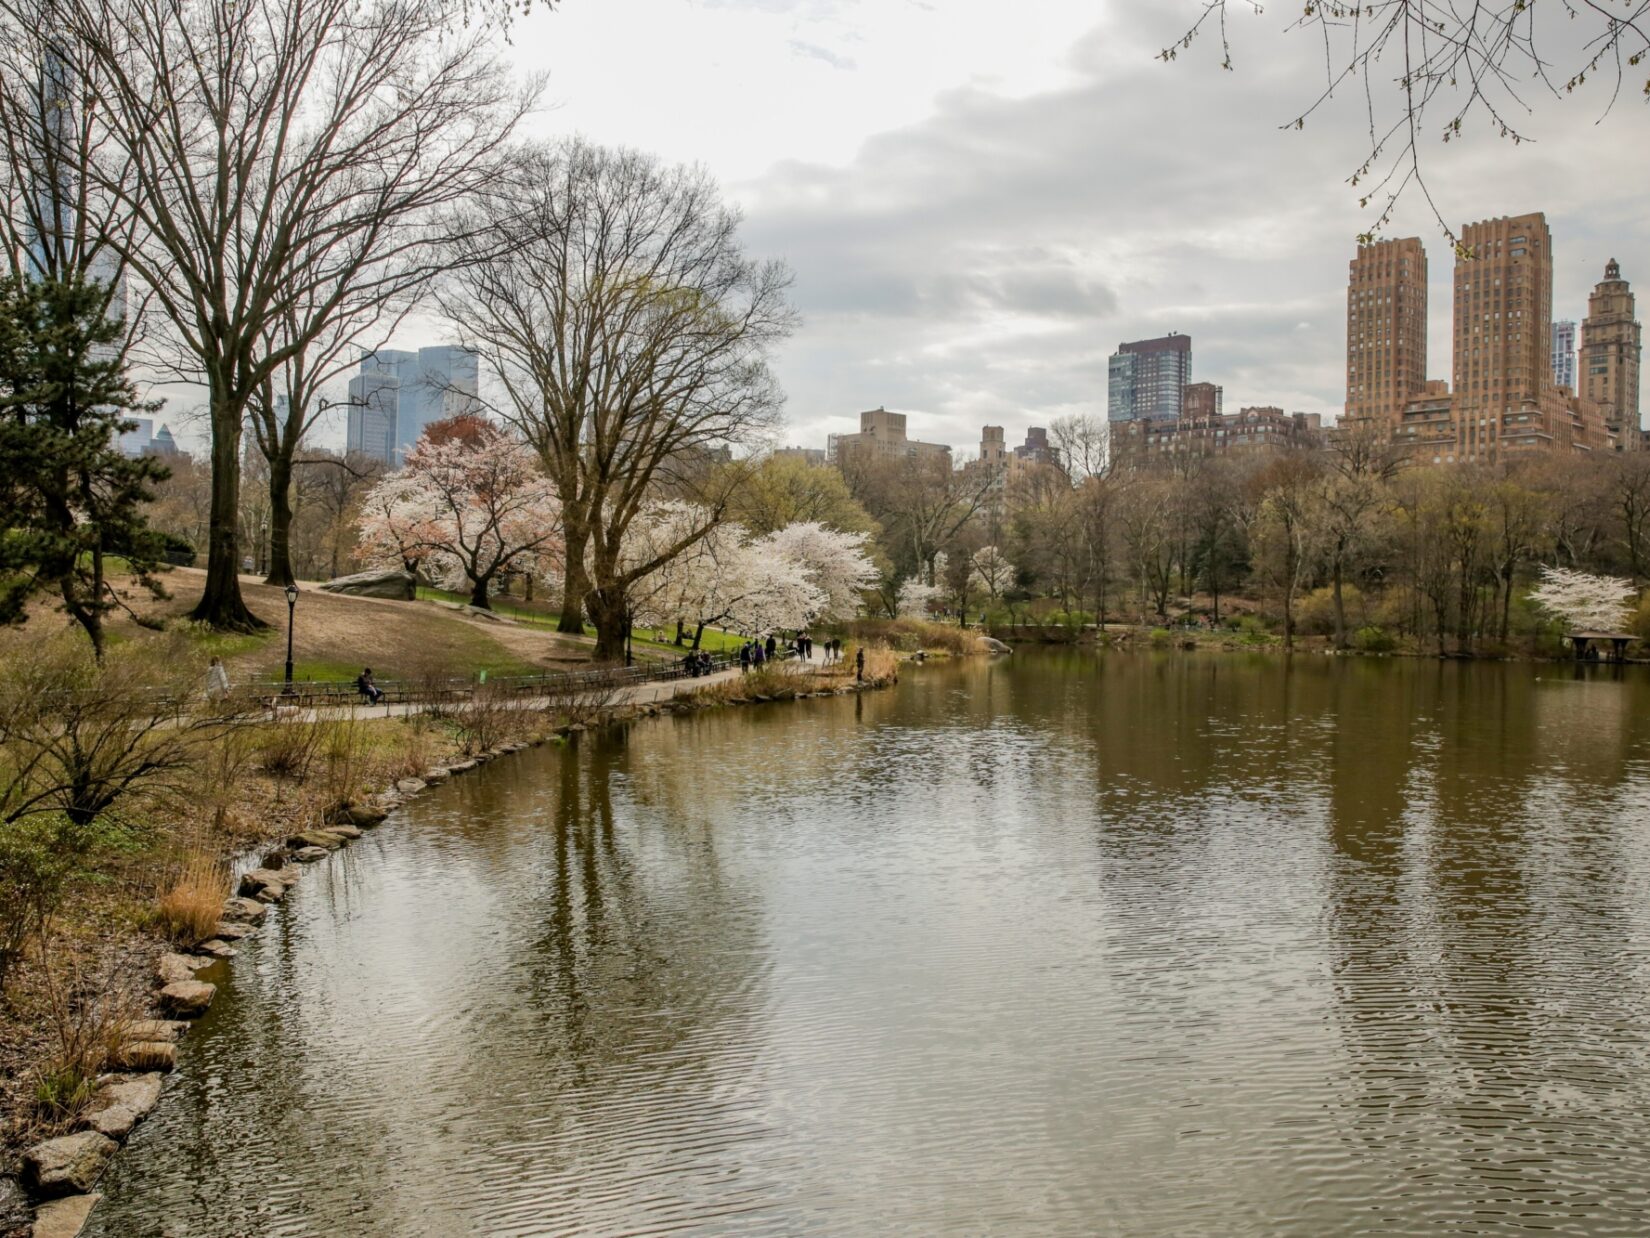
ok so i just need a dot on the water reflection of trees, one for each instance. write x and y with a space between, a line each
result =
1474 922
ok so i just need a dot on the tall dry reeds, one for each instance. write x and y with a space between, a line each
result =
189 909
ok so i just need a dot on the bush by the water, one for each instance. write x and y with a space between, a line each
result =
910 635
1371 638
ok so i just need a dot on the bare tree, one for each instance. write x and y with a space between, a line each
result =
1430 67
283 164
630 333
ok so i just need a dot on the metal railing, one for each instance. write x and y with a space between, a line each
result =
458 688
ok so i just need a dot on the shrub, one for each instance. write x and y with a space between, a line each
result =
37 855
80 735
910 635
484 720
288 749
1252 631
90 1022
1371 638
1315 613
1160 638
190 909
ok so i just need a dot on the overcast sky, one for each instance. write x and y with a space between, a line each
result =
979 201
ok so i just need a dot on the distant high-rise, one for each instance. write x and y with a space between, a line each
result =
993 448
1203 402
881 437
1564 354
1386 330
1146 379
1612 347
374 397
398 393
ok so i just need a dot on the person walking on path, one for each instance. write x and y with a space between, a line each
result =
365 686
859 665
217 680
773 646
745 658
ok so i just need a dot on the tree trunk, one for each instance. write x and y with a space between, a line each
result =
221 606
280 521
698 632
607 613
478 593
1340 608
576 585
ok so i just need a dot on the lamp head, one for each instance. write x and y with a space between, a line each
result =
292 595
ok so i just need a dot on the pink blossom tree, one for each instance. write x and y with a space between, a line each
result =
465 512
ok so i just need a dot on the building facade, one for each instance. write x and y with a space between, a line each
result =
1612 351
1386 330
1146 379
399 392
1248 429
1564 354
882 437
1504 399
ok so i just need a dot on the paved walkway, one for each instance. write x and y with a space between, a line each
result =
640 694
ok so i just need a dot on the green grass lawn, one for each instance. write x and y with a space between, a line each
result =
713 640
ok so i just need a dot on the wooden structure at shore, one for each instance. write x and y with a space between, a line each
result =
1589 643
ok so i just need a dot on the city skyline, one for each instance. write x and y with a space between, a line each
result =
976 222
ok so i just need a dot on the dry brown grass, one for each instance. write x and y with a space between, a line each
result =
910 635
189 909
91 1020
787 680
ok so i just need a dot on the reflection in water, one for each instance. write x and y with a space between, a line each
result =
1132 944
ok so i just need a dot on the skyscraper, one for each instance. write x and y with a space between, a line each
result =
374 397
1612 349
1386 330
1146 379
1564 354
398 393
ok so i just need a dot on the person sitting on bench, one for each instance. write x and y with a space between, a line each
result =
365 686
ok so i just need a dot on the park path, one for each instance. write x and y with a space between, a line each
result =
639 694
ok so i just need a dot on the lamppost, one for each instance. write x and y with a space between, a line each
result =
291 605
629 657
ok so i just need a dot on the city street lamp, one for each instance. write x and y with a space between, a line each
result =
291 604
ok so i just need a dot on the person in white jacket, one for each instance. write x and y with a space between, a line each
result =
217 680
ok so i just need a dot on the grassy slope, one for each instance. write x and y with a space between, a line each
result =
335 636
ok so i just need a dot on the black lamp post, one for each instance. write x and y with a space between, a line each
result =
291 604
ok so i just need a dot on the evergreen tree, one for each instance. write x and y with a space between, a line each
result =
69 499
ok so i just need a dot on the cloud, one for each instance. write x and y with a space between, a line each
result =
812 51
982 262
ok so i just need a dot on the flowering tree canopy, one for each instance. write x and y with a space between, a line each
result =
729 579
465 511
917 599
835 563
1586 603
991 571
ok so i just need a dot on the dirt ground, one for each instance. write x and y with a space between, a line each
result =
335 635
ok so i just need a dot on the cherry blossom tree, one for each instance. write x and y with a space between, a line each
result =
1585 603
917 599
836 563
729 579
990 570
465 512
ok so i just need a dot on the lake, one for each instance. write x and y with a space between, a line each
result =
1135 944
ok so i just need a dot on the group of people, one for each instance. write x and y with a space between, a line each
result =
696 662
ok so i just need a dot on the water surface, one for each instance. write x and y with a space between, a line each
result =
1054 944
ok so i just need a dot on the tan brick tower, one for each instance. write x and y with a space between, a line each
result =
1611 352
1386 331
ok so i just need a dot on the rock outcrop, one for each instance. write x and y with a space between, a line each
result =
67 1165
392 583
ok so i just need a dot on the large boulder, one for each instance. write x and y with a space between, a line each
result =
187 999
121 1103
64 1218
67 1165
388 582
